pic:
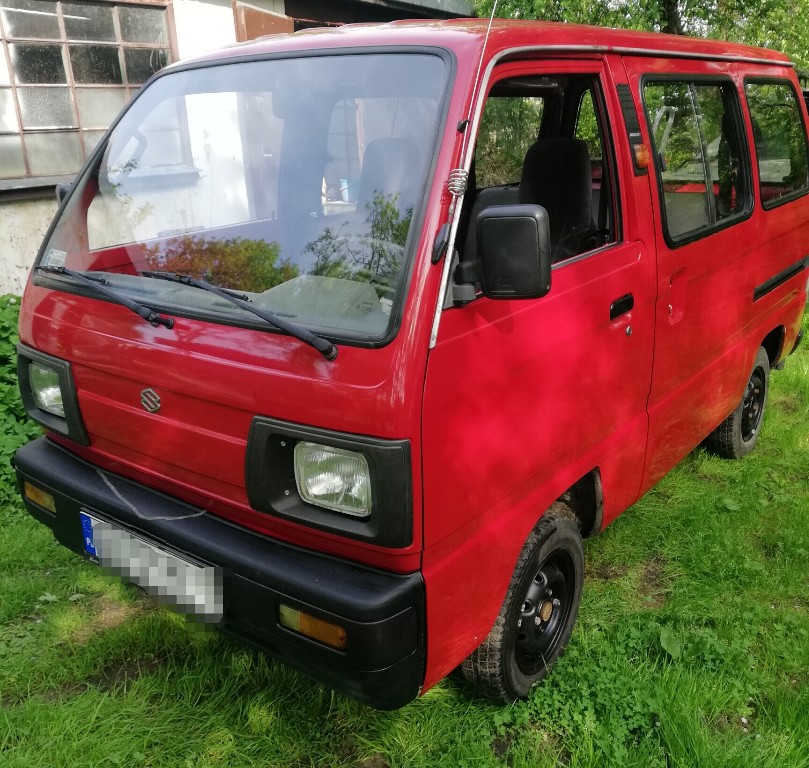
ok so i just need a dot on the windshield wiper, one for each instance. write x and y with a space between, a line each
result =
324 346
99 285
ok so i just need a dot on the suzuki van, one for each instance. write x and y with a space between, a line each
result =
343 341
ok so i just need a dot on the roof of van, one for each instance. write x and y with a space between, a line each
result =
467 35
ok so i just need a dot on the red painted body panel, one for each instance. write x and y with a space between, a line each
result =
516 401
213 380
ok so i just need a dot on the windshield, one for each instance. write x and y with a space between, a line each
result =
291 181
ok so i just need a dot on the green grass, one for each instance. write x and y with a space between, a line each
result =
692 647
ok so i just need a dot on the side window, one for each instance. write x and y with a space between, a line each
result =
541 142
699 154
780 140
508 127
588 129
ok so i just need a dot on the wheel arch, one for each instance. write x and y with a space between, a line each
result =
585 499
773 343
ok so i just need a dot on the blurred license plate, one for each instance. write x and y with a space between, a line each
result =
191 589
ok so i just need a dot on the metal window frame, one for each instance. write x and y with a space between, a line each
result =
128 88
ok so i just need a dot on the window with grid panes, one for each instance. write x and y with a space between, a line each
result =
66 70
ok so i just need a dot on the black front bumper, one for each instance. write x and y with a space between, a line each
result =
383 613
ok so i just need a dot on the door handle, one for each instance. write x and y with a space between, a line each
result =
621 306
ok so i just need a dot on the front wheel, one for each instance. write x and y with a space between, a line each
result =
736 436
537 616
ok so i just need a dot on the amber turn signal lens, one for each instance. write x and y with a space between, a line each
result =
38 496
307 625
643 157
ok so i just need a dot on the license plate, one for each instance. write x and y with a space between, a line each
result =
191 589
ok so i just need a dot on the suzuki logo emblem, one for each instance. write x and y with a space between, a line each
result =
150 400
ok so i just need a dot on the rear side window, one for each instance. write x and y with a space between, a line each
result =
699 153
780 141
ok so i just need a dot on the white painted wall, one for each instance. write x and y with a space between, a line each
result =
203 26
22 226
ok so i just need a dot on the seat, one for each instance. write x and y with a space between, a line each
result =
557 175
474 202
390 171
387 194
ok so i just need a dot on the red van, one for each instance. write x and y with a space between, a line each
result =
344 340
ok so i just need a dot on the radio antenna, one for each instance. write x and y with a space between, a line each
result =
482 56
458 176
456 186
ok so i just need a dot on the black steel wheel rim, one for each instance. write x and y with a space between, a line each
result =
545 613
753 404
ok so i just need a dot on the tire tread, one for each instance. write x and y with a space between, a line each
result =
484 668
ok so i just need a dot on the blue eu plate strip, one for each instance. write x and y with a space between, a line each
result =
87 532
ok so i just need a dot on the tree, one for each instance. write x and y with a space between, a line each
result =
236 263
768 23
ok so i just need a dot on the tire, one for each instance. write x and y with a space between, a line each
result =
736 436
537 616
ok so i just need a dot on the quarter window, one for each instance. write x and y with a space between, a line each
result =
780 141
66 70
699 155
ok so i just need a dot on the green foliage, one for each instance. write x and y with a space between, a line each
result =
371 254
17 429
771 23
237 263
508 128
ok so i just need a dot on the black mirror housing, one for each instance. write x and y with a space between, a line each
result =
514 248
62 190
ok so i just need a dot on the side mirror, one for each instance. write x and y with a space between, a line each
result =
62 190
514 249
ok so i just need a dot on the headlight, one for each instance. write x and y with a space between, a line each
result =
46 389
333 478
48 393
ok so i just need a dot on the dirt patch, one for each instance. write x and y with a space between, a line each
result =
118 676
607 572
8 701
501 746
652 585
374 761
65 691
787 402
108 614
345 750
739 724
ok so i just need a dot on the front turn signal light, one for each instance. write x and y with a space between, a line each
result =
317 629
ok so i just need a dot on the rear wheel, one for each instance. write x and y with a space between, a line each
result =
736 436
537 615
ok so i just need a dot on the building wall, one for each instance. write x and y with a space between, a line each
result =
23 225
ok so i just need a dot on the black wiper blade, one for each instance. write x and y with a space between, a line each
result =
324 346
99 284
173 277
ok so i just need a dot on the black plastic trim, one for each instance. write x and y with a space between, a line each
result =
621 306
383 613
271 485
632 123
72 425
777 280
